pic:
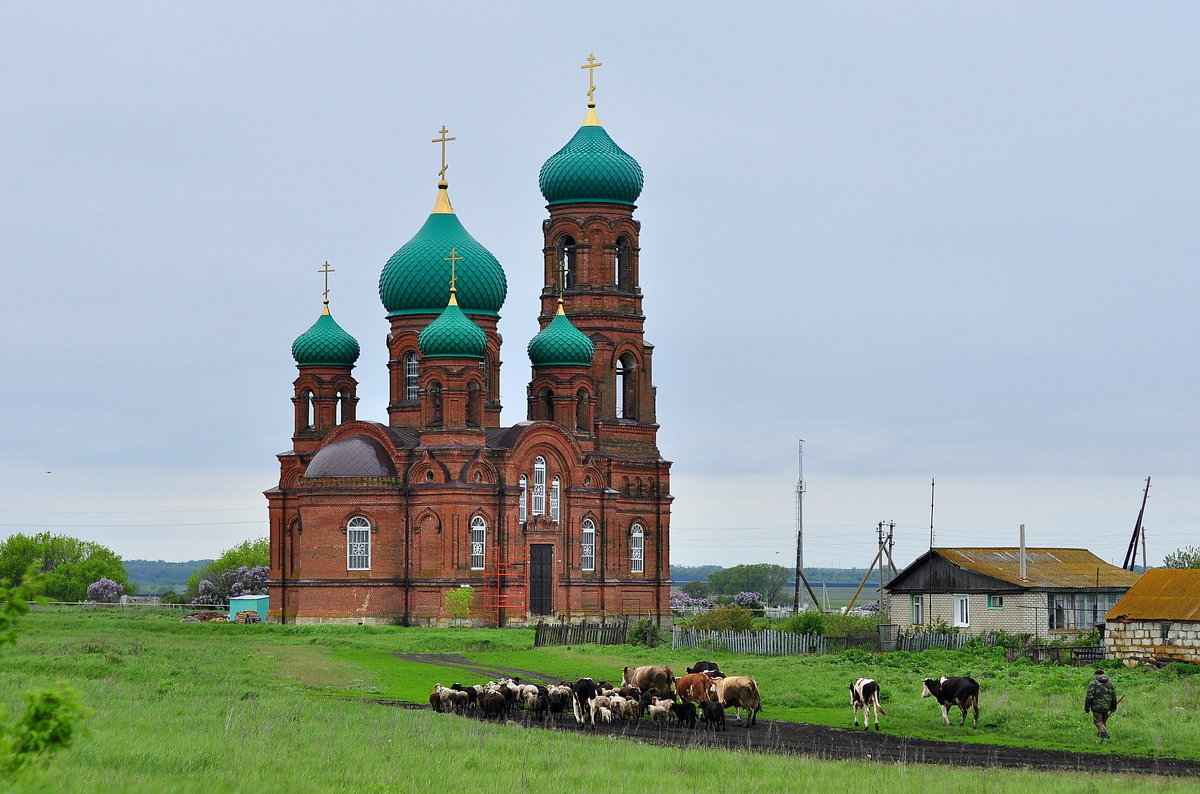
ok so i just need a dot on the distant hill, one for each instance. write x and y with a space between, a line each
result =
157 576
815 576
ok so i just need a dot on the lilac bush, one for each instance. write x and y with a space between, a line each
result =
683 601
218 589
104 591
748 600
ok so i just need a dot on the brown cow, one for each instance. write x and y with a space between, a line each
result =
648 676
696 687
740 692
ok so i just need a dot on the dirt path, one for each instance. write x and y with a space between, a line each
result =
798 738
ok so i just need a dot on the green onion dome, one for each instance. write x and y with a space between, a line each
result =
414 280
325 343
561 343
452 335
591 167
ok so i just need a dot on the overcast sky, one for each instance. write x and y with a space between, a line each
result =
934 240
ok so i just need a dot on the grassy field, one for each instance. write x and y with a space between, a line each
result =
221 707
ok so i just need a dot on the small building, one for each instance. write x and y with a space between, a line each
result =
982 589
1157 620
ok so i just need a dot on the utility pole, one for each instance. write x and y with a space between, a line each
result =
1131 552
800 578
882 547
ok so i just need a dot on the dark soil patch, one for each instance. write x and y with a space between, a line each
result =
798 738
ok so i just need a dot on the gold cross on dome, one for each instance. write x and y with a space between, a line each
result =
453 259
442 140
591 67
326 270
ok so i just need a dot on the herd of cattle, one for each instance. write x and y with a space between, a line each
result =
703 695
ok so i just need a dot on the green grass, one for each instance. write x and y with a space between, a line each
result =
202 708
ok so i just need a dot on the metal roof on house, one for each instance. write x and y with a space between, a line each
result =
1161 594
1072 568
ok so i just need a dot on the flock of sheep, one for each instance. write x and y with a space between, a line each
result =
651 691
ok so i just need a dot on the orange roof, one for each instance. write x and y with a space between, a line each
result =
1043 567
1161 594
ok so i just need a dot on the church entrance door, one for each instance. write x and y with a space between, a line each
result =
541 557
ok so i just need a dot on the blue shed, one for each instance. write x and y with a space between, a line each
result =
258 603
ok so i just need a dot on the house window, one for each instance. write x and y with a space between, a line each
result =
918 610
539 486
588 559
995 602
412 376
1164 631
555 499
358 544
478 542
1079 611
523 510
962 611
637 547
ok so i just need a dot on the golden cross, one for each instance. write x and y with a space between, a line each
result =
591 67
326 270
442 140
453 259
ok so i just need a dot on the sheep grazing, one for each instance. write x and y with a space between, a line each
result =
660 709
559 697
493 704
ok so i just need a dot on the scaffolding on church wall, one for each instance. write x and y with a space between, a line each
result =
504 594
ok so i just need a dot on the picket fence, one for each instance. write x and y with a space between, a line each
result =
580 634
923 641
766 643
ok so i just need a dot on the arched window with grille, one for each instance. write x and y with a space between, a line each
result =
358 544
523 510
555 499
412 376
478 542
637 549
588 556
539 486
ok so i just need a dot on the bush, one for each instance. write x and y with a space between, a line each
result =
682 601
1181 669
810 621
839 625
104 591
723 619
645 633
47 726
752 601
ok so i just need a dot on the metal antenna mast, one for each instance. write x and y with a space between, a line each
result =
800 578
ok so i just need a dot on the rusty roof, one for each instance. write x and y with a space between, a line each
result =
1072 568
1161 594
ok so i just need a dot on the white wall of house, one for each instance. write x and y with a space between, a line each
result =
1015 613
1143 641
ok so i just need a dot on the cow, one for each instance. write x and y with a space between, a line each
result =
713 715
864 694
960 691
696 687
583 692
739 692
706 667
649 676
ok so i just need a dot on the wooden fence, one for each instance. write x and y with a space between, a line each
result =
767 643
922 641
1079 656
581 634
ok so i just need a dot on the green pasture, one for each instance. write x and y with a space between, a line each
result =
223 707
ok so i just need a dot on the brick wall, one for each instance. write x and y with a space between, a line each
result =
1142 641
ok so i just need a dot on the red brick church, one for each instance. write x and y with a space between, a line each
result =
560 518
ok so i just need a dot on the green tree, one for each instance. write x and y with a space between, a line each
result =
248 553
68 565
1187 557
697 589
770 580
458 602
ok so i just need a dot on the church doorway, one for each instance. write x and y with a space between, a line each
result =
541 556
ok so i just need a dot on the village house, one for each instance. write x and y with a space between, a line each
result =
1157 620
1043 592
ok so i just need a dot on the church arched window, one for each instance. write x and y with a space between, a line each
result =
478 542
623 263
637 549
523 510
435 403
539 486
358 544
306 410
555 499
412 375
545 404
568 264
345 407
626 387
588 555
581 411
474 405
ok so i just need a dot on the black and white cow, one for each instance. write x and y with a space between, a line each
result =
583 692
960 691
864 694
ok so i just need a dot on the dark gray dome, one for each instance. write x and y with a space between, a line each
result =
353 456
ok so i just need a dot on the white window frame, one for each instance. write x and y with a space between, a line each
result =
962 611
523 510
918 610
539 486
556 500
478 543
637 549
587 558
412 376
358 544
